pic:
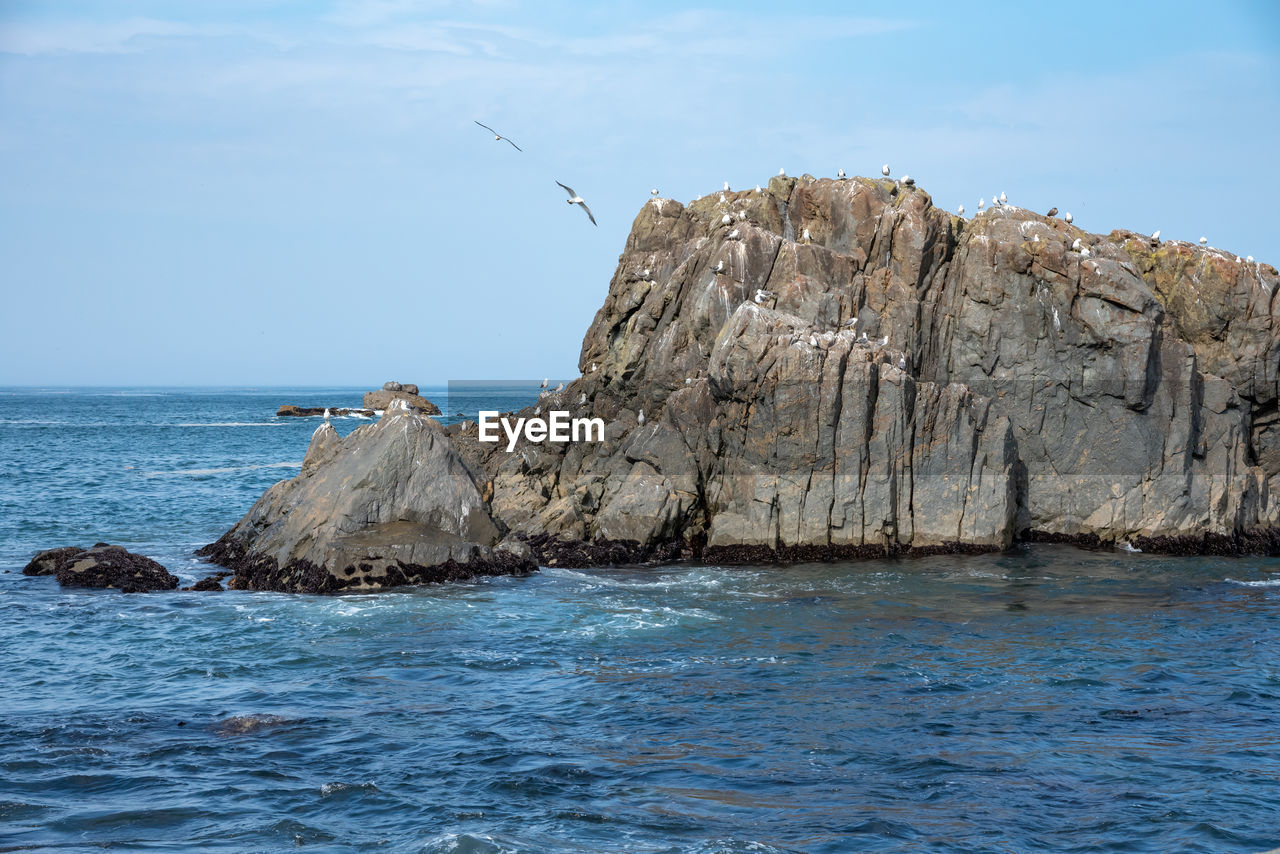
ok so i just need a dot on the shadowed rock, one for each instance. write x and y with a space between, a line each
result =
102 566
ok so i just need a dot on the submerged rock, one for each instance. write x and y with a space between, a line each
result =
904 381
102 566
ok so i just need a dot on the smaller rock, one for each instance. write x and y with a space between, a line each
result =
212 583
382 400
103 566
392 385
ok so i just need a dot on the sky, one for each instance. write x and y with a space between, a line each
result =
275 192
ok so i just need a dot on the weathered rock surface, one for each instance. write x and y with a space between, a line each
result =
103 566
291 411
902 381
408 392
391 503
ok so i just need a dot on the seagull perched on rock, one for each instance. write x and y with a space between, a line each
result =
960 210
1076 244
1052 212
758 190
545 382
981 202
575 199
688 380
1203 241
884 170
908 180
763 296
654 191
726 187
1249 259
805 236
1155 235
782 173
1066 217
582 398
735 234
995 201
497 136
718 268
840 174
640 417
326 414
813 341
1004 200
726 219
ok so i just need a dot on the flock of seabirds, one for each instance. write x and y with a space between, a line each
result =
996 201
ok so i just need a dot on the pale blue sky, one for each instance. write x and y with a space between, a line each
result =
256 192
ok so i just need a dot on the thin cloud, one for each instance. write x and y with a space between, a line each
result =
76 37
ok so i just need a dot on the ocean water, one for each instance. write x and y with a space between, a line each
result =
1044 699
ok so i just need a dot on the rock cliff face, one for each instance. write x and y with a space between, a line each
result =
838 368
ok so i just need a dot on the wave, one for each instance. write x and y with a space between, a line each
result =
1263 582
227 470
227 424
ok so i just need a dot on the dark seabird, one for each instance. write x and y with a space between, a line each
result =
1052 212
497 136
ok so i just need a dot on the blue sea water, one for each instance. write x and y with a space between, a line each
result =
1045 699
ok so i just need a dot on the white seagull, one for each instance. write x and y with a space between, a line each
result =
726 187
654 191
1075 246
981 202
545 381
1203 241
326 415
758 190
575 199
805 237
884 170
1249 259
960 210
1003 198
782 173
497 136
908 180
640 417
1066 217
840 174
1155 235
735 234
726 219
718 268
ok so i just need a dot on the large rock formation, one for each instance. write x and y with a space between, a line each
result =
897 380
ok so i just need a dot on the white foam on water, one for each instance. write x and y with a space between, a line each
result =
1264 582
227 470
229 424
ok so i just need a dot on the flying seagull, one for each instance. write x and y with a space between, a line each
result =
497 136
575 199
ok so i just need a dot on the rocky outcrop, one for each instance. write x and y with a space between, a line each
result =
392 503
838 368
102 566
291 411
407 392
